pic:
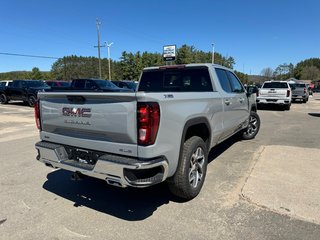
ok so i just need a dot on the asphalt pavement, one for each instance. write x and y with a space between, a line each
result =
236 202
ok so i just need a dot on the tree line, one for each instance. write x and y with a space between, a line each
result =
308 69
131 64
128 67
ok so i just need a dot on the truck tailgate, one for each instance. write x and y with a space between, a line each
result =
272 93
99 121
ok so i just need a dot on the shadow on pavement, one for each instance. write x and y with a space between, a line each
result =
314 114
222 147
271 108
130 204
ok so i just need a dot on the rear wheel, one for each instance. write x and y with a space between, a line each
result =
191 171
3 99
287 107
32 100
253 128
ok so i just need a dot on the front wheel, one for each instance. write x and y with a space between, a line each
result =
3 99
253 127
191 171
32 100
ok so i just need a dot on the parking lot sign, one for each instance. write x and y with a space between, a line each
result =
169 53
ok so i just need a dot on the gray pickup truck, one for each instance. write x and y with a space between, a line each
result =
163 131
299 92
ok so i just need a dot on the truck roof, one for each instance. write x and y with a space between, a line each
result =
187 65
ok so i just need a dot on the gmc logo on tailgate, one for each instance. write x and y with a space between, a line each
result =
76 112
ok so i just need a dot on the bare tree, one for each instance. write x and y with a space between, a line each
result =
267 73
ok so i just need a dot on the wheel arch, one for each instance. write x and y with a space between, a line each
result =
197 127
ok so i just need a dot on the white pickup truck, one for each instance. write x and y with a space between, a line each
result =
276 93
163 131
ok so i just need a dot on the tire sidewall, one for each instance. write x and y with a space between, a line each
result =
3 96
32 100
247 137
184 166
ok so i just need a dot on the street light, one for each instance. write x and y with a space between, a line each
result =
212 53
98 23
108 46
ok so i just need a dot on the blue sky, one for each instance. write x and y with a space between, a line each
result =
257 34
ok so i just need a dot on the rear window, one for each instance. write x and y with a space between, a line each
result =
298 85
176 80
275 85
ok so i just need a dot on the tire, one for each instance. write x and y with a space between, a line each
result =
253 128
31 100
191 171
287 107
3 99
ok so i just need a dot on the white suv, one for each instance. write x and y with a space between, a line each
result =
275 92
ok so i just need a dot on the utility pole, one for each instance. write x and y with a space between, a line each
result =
109 60
98 23
212 53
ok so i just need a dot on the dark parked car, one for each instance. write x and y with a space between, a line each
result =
58 84
5 83
96 85
126 84
23 90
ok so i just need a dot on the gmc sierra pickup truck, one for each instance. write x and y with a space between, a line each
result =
275 93
163 131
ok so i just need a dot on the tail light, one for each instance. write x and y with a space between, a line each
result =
304 90
148 119
258 93
288 93
37 114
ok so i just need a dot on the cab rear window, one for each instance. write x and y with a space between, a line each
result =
191 79
275 85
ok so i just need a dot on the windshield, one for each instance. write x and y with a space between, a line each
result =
131 85
105 84
37 84
275 85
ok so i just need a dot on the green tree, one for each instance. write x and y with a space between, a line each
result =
35 74
310 73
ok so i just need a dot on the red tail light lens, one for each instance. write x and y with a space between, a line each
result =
148 119
288 93
37 114
258 93
304 90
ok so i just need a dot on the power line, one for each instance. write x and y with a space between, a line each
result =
26 55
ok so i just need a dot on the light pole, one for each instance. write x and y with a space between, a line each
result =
108 46
212 53
98 23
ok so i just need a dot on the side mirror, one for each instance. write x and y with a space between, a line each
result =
248 94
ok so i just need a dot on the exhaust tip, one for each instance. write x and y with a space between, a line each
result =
114 182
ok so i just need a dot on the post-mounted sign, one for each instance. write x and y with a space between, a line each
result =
169 53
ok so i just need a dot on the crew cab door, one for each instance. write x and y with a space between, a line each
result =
14 92
234 100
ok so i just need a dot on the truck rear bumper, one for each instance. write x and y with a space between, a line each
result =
273 101
117 170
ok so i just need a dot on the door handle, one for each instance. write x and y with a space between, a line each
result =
227 102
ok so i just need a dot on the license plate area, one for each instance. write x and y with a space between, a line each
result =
83 156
